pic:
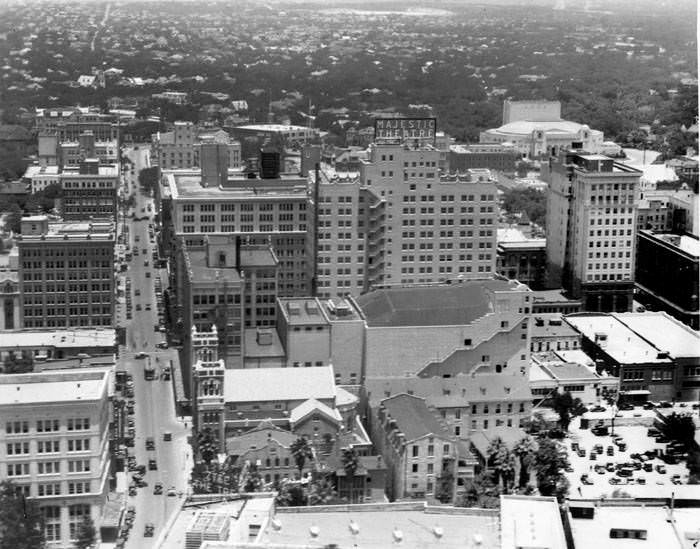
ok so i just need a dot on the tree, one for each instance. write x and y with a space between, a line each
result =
525 450
13 217
481 491
502 460
252 480
350 461
679 427
207 445
148 178
21 521
17 365
528 200
321 491
87 533
290 495
550 461
301 451
566 406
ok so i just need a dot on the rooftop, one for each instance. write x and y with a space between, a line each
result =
253 349
201 272
596 532
685 243
514 238
526 127
60 339
259 438
302 311
439 305
279 384
550 296
551 325
251 256
664 332
616 339
564 371
33 171
273 128
413 417
111 170
509 435
54 387
528 521
187 184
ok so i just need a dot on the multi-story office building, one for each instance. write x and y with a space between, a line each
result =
72 153
422 227
54 445
182 147
66 273
90 191
40 345
272 210
67 123
591 224
667 274
493 156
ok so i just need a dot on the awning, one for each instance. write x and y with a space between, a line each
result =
636 392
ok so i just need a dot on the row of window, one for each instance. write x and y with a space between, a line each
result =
48 446
47 426
245 207
48 467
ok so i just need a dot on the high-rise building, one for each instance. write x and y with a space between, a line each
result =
66 273
261 211
54 430
591 224
90 190
422 227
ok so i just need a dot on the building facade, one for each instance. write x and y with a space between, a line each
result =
66 274
591 222
667 276
54 445
182 147
90 191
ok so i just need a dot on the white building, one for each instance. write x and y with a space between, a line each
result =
54 444
536 129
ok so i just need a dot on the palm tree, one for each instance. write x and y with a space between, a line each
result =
525 451
502 460
207 445
301 451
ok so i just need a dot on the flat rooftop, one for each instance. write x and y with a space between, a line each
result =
439 305
187 184
53 387
279 384
201 272
551 296
273 128
60 339
551 325
376 529
535 522
685 243
510 237
622 344
111 170
302 311
596 532
253 349
664 332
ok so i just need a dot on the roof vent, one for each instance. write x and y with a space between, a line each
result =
293 309
311 307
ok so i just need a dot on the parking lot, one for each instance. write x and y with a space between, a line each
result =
635 437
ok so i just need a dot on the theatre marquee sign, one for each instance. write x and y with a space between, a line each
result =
404 129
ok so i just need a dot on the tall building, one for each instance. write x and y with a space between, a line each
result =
591 224
67 123
272 210
522 258
90 190
66 273
667 274
54 445
422 227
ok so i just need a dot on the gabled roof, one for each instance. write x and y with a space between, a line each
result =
261 436
413 417
311 406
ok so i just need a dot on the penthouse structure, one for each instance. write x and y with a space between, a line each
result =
66 273
54 445
184 147
591 222
90 191
41 345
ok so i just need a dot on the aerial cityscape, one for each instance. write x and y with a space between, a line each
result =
349 274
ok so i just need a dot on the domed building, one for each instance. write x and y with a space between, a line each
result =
536 129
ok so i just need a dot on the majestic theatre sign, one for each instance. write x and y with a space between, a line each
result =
404 129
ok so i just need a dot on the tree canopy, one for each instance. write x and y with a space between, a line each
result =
21 520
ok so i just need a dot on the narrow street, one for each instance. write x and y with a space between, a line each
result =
155 412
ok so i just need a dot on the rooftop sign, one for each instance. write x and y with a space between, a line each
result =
404 129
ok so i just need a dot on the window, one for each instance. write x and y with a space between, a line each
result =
48 467
79 465
430 468
17 469
431 450
81 424
17 448
48 446
414 468
415 451
79 445
16 427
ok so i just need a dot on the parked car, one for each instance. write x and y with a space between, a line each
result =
625 406
615 480
600 469
597 409
598 448
586 480
625 472
581 452
611 450
152 465
172 492
150 443
574 446
158 488
167 436
648 467
652 432
661 469
600 431
148 530
132 489
610 467
593 456
622 446
676 479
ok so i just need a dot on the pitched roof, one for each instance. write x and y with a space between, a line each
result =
279 384
259 437
413 417
442 305
310 406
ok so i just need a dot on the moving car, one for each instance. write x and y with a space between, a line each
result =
148 530
600 431
140 355
586 480
167 436
661 469
676 479
150 443
158 489
152 465
172 492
